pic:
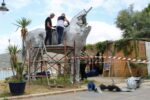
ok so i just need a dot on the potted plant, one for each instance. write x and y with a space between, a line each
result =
16 82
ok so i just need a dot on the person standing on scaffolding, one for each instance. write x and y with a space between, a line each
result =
48 28
60 27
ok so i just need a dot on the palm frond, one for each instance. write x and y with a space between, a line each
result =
23 22
13 49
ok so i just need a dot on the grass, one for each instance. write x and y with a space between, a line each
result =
40 86
4 89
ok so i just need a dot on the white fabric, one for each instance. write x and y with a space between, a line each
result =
60 23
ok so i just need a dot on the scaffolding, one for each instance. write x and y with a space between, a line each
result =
48 57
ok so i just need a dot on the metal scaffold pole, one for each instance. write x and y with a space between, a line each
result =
42 57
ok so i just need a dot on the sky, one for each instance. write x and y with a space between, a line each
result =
102 17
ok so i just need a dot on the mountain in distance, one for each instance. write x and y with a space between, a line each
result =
5 60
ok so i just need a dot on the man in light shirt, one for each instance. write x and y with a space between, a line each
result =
60 26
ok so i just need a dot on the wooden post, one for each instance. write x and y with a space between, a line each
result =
129 67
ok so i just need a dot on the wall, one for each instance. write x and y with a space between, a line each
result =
120 68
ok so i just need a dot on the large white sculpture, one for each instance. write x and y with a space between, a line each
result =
77 32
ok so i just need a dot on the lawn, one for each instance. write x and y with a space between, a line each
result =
40 86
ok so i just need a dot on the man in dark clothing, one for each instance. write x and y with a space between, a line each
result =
83 63
48 28
60 27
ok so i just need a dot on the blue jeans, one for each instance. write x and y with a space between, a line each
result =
60 31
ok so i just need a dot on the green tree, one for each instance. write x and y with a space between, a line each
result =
143 23
134 24
23 23
90 46
125 22
101 46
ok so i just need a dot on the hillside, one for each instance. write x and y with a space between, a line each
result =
4 60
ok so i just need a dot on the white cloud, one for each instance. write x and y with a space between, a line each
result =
14 38
17 4
96 3
102 31
3 44
59 6
112 6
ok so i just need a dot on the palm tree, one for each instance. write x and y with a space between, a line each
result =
23 23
